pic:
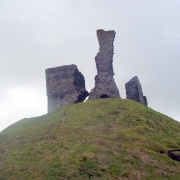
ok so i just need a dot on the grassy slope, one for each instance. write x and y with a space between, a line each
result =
102 139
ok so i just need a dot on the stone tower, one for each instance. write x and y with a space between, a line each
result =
134 91
65 85
105 86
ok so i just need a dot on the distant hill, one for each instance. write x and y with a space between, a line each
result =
99 139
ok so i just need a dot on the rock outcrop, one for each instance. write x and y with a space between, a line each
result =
134 91
65 85
105 86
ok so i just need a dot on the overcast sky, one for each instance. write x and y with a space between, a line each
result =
40 34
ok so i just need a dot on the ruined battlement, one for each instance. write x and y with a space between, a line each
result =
134 91
66 85
104 81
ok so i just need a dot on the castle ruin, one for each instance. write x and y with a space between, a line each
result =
65 85
134 91
105 86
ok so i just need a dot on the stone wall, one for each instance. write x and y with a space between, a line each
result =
65 85
134 91
105 86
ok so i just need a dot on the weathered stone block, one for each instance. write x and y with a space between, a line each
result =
105 86
65 85
134 91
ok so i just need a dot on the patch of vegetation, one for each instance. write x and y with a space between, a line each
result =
98 139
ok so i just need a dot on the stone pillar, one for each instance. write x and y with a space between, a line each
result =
65 85
134 91
105 86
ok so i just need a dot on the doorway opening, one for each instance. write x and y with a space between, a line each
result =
104 96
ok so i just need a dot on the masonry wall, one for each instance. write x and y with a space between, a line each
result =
65 85
105 86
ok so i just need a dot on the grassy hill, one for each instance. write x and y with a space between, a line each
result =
99 139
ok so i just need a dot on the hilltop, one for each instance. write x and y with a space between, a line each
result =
98 139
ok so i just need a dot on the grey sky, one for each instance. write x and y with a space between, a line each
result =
39 34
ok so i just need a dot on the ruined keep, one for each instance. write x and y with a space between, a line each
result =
105 86
134 91
65 85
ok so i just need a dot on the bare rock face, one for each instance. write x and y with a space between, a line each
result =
65 85
105 86
134 91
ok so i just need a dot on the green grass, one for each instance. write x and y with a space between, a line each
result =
99 139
